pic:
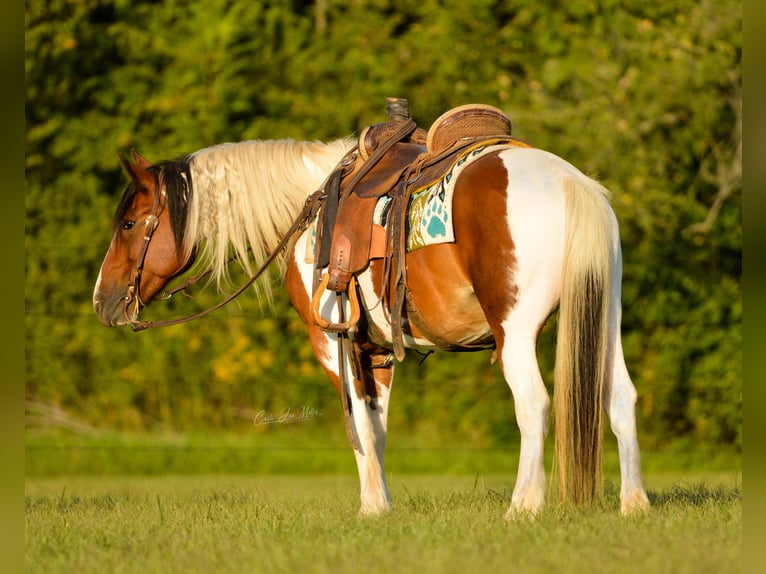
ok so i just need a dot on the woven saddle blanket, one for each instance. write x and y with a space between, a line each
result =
429 212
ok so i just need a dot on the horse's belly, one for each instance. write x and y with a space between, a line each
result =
434 318
452 320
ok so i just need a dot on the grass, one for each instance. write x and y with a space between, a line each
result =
301 449
118 503
309 524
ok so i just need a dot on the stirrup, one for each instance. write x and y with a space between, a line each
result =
323 323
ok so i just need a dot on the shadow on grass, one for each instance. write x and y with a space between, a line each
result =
480 498
696 494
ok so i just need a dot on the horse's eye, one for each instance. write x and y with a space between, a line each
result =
128 225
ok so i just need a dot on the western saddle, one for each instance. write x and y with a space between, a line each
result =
391 158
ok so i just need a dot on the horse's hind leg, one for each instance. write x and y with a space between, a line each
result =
532 405
620 402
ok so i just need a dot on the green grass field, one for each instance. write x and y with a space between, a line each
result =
310 524
88 517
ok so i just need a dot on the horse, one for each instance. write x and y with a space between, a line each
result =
532 233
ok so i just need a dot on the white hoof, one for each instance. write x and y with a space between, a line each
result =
634 502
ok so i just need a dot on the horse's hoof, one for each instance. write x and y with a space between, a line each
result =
635 504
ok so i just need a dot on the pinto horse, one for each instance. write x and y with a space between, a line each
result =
531 233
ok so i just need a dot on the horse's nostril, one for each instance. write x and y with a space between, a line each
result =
96 305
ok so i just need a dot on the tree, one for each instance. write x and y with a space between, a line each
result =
644 96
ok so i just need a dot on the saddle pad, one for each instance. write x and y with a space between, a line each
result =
430 208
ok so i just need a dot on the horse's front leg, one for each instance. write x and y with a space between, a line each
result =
368 395
368 402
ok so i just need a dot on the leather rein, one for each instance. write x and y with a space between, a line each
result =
133 296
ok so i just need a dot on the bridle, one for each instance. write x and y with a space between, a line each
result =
133 295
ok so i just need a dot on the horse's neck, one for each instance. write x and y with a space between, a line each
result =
247 194
273 177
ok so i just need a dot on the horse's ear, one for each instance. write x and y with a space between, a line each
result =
138 171
140 160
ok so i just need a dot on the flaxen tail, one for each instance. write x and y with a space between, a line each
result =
581 355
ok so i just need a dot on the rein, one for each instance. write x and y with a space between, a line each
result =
300 224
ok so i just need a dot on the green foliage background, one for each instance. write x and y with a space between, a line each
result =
645 96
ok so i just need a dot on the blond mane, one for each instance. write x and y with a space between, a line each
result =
246 195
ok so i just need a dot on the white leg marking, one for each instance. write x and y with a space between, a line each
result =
532 406
536 206
369 425
620 401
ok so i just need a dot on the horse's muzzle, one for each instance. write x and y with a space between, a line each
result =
111 309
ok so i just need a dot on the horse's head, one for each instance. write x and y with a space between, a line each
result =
144 254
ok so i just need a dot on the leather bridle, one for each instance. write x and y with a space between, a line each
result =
133 296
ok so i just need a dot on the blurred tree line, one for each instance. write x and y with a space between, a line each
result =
643 95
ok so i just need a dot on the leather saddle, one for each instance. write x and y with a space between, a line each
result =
351 246
391 158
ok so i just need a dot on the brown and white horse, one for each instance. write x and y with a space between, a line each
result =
531 233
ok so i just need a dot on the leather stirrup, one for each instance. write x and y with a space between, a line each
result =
323 323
